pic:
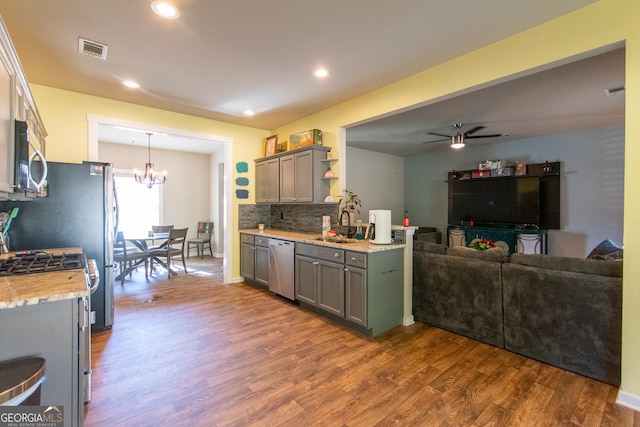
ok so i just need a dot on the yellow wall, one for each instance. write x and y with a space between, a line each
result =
593 28
65 114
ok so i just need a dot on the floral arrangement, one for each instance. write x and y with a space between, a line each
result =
482 244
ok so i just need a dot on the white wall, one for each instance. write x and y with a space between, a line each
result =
378 179
591 184
185 195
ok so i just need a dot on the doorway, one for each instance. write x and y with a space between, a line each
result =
94 123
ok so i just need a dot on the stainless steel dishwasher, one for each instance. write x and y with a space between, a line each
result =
281 267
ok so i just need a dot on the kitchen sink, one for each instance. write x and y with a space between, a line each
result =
336 239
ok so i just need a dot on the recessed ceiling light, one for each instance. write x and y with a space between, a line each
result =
131 84
321 73
165 9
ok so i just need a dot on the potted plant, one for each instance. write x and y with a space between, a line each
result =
350 202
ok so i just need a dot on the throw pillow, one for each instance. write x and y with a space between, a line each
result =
606 250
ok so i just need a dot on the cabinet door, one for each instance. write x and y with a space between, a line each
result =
287 178
355 288
303 178
262 265
305 279
267 181
331 287
6 127
247 262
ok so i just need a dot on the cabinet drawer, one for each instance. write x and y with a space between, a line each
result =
246 238
320 252
261 241
356 259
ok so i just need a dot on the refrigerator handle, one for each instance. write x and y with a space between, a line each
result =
116 208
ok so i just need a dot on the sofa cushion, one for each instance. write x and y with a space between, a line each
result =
493 254
606 250
424 246
459 294
576 265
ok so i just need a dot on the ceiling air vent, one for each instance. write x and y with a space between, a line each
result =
92 48
614 90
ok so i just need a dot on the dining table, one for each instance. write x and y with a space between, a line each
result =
142 243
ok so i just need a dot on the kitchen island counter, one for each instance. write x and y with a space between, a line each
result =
312 239
30 289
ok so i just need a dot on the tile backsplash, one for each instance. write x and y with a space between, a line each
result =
289 217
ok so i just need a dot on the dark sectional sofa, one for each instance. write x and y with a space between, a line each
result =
563 311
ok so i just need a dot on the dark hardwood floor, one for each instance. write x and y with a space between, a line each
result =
193 351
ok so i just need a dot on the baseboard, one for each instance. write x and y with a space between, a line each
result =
238 279
629 400
408 320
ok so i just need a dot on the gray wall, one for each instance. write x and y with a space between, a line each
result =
376 178
591 190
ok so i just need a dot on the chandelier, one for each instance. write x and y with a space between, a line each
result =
150 178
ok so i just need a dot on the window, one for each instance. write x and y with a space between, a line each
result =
138 206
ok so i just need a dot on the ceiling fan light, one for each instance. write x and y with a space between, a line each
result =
457 142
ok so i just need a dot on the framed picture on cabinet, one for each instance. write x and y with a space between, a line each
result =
270 145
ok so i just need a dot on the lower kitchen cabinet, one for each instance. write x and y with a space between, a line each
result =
355 285
363 289
320 283
254 258
50 330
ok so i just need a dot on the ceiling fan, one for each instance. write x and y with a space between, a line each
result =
457 140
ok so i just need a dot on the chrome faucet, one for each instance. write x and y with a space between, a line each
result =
349 233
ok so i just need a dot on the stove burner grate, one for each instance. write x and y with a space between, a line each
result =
39 262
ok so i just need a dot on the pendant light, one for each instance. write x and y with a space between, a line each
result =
150 178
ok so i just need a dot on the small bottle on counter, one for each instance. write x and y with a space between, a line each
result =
359 234
405 220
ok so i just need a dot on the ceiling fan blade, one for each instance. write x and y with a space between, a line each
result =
472 130
496 135
448 138
440 134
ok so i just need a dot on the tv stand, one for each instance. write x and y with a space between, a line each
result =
522 240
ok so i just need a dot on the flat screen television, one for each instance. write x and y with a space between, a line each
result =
495 201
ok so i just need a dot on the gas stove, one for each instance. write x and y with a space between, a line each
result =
39 262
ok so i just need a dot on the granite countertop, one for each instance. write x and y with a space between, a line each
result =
31 289
310 238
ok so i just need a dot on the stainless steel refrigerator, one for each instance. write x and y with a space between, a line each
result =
80 210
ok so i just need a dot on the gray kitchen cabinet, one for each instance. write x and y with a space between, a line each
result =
268 180
364 289
355 284
293 177
247 257
50 330
254 258
296 177
261 260
331 287
305 279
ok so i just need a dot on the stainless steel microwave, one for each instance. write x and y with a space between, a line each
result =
30 167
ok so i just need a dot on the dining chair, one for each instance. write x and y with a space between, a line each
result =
205 232
128 258
174 247
161 228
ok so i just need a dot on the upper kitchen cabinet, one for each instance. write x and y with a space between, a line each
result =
16 103
268 180
293 176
